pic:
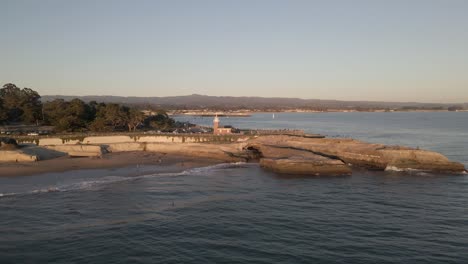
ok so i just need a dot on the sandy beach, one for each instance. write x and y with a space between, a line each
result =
110 160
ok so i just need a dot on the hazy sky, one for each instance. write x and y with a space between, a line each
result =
392 50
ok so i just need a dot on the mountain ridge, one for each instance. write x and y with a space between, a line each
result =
195 101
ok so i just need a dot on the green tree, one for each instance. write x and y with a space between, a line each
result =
31 106
11 96
21 105
67 116
110 117
135 118
160 121
3 112
115 115
99 125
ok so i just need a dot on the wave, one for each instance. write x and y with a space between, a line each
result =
71 186
221 166
418 172
96 184
394 168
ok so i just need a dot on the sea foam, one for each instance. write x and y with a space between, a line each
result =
97 184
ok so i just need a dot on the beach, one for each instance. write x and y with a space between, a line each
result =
167 163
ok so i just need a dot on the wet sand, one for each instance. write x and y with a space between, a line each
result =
110 160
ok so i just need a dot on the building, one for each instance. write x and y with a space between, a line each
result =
220 130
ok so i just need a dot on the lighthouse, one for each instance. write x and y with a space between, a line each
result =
215 124
220 130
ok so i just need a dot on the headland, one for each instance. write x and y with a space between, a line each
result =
281 153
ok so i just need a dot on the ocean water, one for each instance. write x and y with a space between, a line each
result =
444 132
238 213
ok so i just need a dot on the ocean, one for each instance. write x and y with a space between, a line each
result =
238 213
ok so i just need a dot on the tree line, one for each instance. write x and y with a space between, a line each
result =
23 106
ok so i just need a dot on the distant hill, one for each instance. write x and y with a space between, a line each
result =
196 101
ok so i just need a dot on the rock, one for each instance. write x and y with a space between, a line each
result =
301 166
8 143
289 160
362 154
79 150
411 159
42 153
282 153
124 147
16 156
223 152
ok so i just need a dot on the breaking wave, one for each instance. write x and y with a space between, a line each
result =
101 182
222 166
394 168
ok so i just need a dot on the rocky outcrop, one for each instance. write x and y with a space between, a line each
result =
289 160
42 153
222 152
280 153
8 143
79 150
16 156
359 154
125 147
318 166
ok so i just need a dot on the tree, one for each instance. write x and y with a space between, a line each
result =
67 116
11 96
20 105
135 118
160 121
3 112
110 117
99 125
31 106
115 115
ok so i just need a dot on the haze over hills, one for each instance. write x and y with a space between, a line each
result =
196 101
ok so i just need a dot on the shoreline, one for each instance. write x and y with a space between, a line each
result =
282 153
168 163
252 112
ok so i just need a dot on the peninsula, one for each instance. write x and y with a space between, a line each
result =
287 154
47 134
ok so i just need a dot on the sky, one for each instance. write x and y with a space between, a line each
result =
394 50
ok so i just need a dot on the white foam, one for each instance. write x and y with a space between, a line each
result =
213 168
394 168
98 183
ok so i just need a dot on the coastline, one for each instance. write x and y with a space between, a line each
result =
282 153
168 163
249 113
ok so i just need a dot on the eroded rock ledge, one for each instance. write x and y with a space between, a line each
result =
279 153
355 153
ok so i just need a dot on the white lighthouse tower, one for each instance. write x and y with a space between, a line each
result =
215 124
